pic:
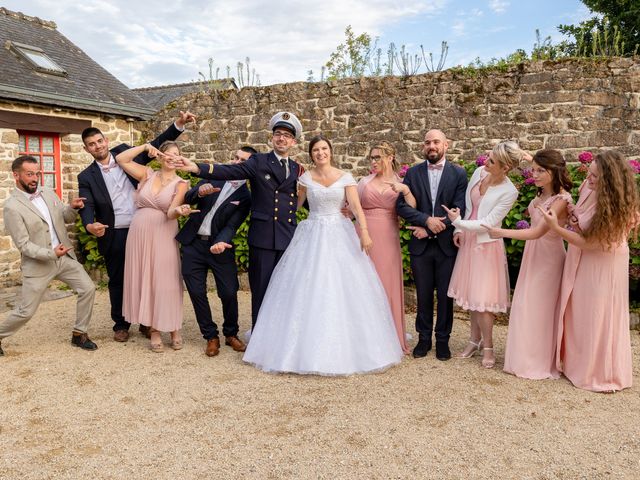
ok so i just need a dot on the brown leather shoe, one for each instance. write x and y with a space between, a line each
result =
213 347
144 330
235 343
121 335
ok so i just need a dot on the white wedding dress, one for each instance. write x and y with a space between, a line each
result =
325 311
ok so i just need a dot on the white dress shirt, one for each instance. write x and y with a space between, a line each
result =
121 192
435 175
38 202
228 189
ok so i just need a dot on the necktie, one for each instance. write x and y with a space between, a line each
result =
436 166
283 162
33 196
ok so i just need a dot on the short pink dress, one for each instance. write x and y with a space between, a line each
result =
594 346
382 221
152 279
533 323
480 279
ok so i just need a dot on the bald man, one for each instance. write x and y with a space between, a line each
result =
432 247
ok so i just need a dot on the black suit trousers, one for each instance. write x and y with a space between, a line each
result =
196 262
114 261
432 272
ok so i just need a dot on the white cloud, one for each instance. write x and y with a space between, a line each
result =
148 43
499 6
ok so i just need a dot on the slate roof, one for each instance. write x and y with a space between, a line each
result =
86 86
160 96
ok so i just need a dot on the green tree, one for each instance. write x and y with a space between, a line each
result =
350 58
615 31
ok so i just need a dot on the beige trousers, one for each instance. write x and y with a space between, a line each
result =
70 272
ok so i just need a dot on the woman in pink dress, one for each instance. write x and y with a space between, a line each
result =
480 281
531 339
378 200
594 345
152 279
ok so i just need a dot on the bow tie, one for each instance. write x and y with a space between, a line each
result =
436 166
33 196
108 167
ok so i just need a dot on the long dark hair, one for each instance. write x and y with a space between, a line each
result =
553 162
316 139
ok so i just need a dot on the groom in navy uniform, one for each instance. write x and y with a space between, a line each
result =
109 207
273 178
206 244
432 247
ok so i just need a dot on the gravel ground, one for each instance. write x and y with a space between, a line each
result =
124 412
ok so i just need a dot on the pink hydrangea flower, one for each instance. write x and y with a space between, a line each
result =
635 164
403 170
522 225
585 157
482 159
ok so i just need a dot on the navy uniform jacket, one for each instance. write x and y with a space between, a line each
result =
451 192
274 198
226 221
91 186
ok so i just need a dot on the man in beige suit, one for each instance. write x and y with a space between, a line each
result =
35 218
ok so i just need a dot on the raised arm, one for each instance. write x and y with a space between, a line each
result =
354 203
405 191
574 238
126 160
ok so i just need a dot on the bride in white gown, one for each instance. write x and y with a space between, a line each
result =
325 311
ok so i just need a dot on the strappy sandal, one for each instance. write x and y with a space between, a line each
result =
476 349
176 344
488 363
156 347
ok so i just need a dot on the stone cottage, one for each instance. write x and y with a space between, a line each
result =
50 90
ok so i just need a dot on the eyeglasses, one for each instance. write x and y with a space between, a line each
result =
286 135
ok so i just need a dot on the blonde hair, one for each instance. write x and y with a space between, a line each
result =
617 204
168 144
387 149
508 154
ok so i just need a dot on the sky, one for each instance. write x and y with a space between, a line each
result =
149 43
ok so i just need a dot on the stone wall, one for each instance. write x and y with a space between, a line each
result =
73 160
570 105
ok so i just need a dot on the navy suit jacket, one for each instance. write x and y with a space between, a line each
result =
451 192
91 186
274 197
225 222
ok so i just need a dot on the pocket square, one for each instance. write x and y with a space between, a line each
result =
235 202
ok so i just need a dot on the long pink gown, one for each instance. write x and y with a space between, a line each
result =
533 323
480 279
594 343
152 279
382 221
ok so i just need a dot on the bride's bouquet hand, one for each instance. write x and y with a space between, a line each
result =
365 241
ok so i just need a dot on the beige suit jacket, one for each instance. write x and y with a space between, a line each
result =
30 231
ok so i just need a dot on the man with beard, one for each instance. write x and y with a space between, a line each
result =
109 207
433 247
35 218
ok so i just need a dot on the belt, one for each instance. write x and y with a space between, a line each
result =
204 238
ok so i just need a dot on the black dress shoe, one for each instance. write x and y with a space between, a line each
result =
82 340
442 352
421 349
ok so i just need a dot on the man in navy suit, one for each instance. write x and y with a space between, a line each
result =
432 247
274 193
206 244
109 207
